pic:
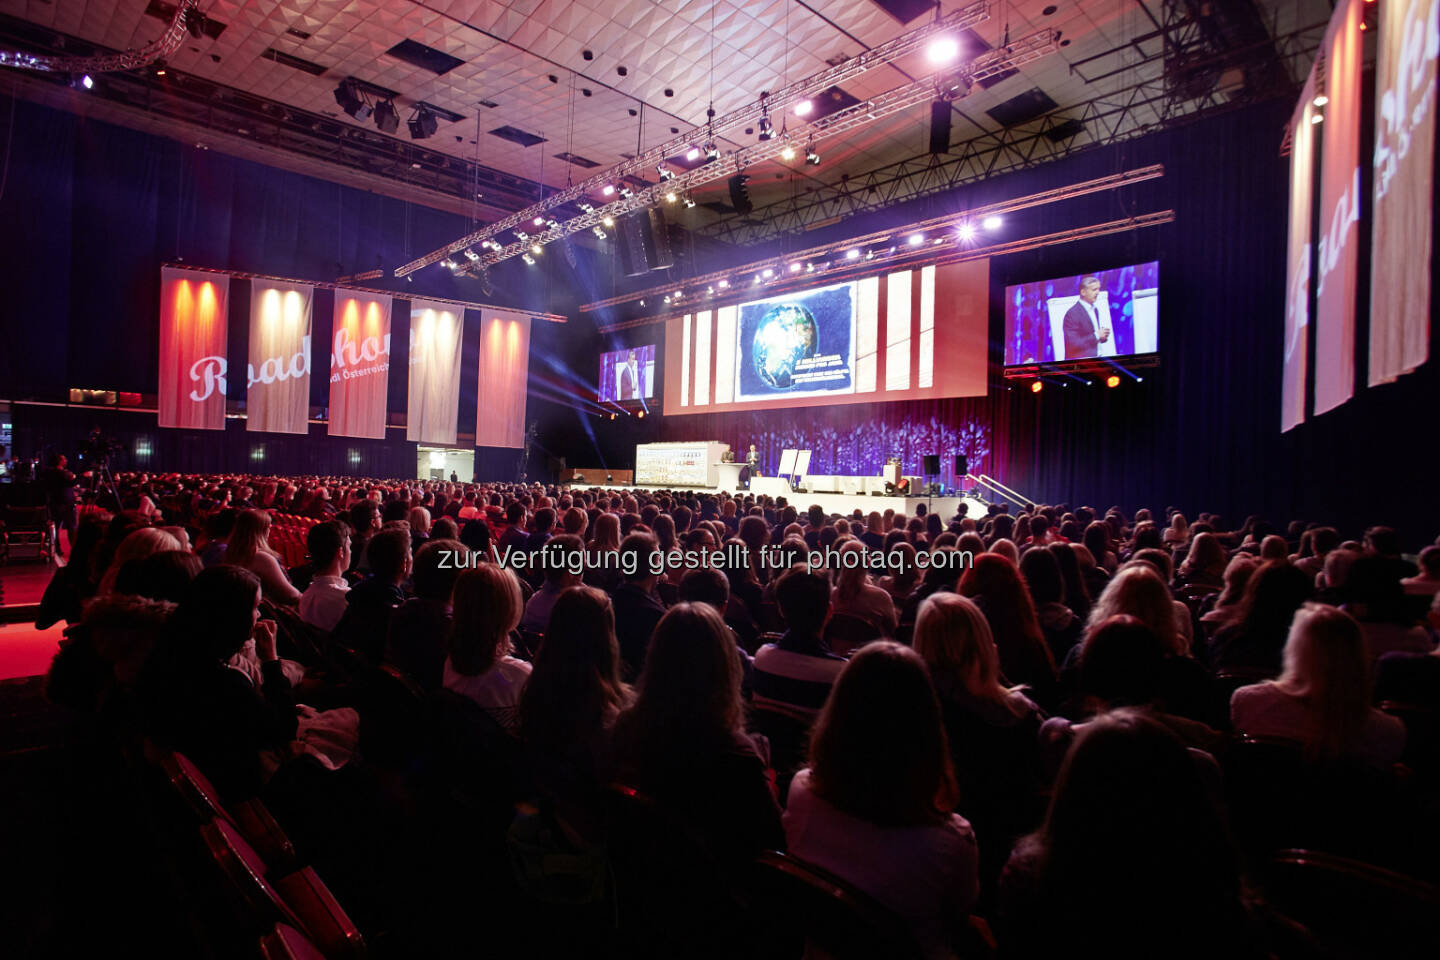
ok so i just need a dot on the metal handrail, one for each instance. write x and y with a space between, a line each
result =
990 483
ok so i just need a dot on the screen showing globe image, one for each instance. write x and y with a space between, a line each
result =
800 344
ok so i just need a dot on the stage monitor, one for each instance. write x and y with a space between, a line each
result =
628 374
1096 315
907 335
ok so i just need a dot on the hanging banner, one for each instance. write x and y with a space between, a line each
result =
502 385
277 399
1297 261
1339 241
1404 214
434 407
359 364
193 327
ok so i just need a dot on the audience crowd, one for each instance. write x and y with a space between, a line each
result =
1035 730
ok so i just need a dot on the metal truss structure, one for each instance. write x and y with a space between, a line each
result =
1167 98
632 170
167 43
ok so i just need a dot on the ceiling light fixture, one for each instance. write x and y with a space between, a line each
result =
992 222
943 50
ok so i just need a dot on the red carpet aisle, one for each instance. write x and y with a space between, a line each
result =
25 651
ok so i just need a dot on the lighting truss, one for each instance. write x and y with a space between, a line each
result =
168 43
958 80
937 232
750 114
1125 225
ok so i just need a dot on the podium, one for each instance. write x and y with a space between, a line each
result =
727 475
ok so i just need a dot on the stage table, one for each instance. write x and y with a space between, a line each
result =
727 475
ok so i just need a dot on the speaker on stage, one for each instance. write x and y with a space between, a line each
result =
932 464
962 465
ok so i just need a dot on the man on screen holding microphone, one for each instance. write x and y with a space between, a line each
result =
1084 328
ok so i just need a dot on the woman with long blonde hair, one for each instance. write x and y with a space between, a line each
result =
1138 591
486 606
249 547
137 545
1322 698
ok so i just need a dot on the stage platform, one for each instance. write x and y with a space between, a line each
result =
844 504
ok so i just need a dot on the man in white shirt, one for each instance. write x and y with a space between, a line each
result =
1084 329
323 602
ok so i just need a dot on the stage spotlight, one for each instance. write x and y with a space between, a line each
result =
869 254
195 23
599 234
608 190
756 280
447 262
612 417
85 82
724 284
608 221
794 268
586 207
1036 386
767 273
692 154
552 224
626 192
788 153
665 172
641 415
539 221
689 201
160 72
1317 118
967 232
916 239
811 157
535 248
709 291
712 152
471 255
992 222
528 259
852 254
522 236
803 108
667 298
943 50
767 129
350 99
424 124
387 119
1112 381
671 196
1320 101
809 268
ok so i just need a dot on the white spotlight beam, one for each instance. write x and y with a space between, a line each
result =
777 101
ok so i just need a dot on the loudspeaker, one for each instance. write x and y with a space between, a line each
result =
657 246
940 126
962 465
932 464
739 196
644 242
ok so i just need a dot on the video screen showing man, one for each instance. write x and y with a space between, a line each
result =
1085 329
628 374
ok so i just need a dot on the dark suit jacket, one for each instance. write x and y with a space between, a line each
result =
1080 339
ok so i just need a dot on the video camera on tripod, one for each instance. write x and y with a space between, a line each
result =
98 449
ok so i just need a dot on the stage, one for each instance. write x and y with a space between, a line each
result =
833 503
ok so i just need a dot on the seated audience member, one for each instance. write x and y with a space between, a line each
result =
794 674
249 547
416 638
514 537
543 521
364 523
486 606
992 729
1322 698
1204 564
855 595
218 527
1373 596
562 568
902 580
1058 622
874 806
995 584
1321 541
1411 677
323 602
1178 533
137 545
161 576
1238 572
1072 575
638 607
1384 543
444 528
371 602
1099 541
419 520
1007 549
683 741
569 705
1254 638
1427 583
708 585
1133 860
71 585
1121 664
1165 566
191 700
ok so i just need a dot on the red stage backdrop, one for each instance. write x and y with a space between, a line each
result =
913 334
359 364
504 373
193 327
1339 246
1297 261
1404 191
435 331
277 399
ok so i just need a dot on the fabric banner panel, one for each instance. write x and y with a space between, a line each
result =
1403 212
359 364
277 399
503 381
193 328
434 400
1339 242
1297 261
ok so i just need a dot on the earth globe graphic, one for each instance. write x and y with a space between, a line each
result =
786 335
